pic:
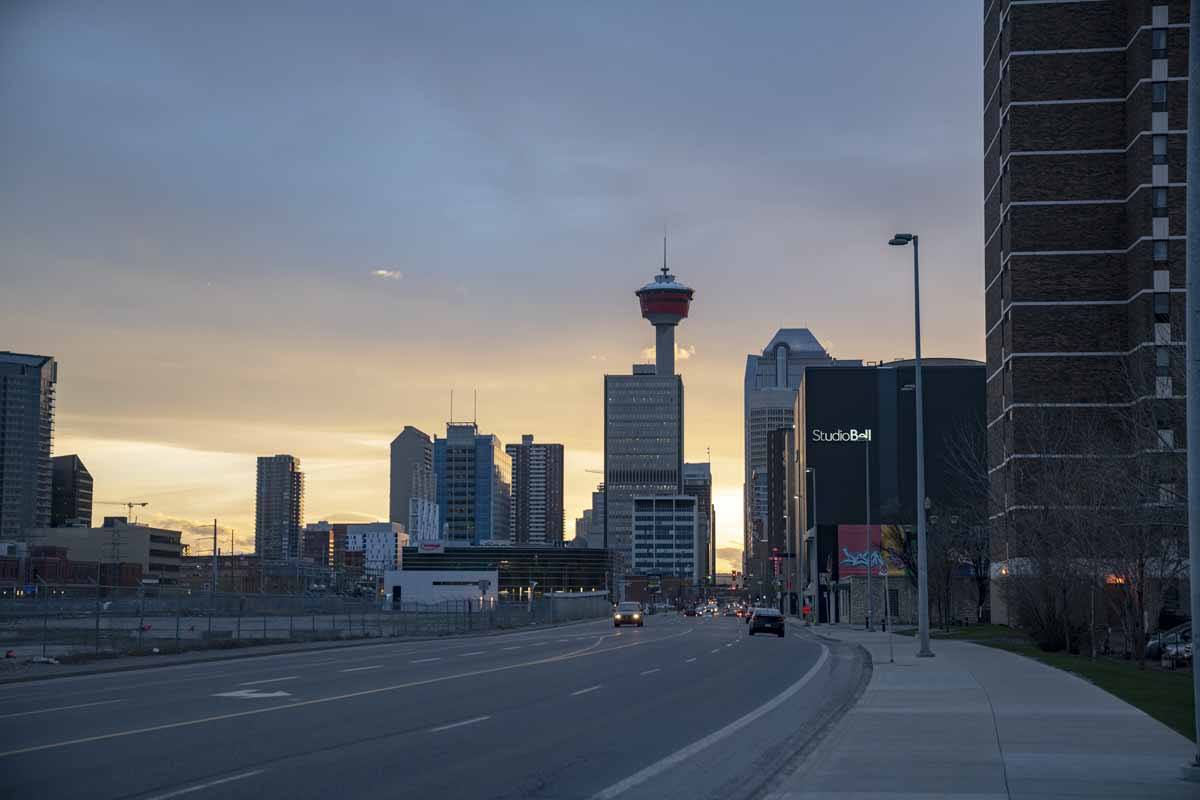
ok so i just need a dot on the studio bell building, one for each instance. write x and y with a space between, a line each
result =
853 469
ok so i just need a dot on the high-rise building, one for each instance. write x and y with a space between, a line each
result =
26 433
697 483
71 493
474 480
318 543
1085 145
782 547
413 496
666 537
643 419
279 510
595 519
769 390
536 508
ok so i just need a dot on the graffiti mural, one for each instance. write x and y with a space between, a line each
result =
860 549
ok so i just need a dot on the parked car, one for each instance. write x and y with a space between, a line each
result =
1168 641
766 620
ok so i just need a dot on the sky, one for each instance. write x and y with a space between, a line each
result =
297 227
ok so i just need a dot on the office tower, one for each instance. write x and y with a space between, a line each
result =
666 537
782 546
1085 144
279 510
536 509
643 419
474 480
596 517
413 488
697 483
769 394
26 431
71 493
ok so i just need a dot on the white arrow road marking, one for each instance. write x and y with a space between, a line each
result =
252 694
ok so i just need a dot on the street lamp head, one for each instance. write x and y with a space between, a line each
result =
901 239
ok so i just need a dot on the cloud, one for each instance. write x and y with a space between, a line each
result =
681 353
388 274
596 357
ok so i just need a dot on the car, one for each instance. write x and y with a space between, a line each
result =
766 620
690 611
1168 641
628 613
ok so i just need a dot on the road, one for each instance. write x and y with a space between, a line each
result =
684 707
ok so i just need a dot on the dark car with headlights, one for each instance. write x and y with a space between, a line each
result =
766 620
627 614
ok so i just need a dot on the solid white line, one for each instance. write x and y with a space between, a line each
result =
200 786
425 660
472 653
187 723
690 660
471 721
270 680
60 708
585 691
664 764
360 669
652 671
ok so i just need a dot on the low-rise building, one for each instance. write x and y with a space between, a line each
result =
157 550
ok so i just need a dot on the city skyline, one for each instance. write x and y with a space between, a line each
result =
365 295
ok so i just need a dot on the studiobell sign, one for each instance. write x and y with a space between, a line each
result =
852 435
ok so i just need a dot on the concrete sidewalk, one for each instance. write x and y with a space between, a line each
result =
980 723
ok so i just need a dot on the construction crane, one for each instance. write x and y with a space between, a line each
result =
128 507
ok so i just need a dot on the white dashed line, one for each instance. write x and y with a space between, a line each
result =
585 691
360 669
714 651
470 721
510 648
270 680
652 671
200 786
690 660
425 660
59 708
472 653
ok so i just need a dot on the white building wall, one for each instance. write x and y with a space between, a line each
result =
442 586
380 542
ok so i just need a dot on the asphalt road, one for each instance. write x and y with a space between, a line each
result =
684 707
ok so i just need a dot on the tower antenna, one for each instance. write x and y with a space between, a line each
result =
664 267
475 410
452 405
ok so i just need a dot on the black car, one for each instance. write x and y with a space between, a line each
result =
766 620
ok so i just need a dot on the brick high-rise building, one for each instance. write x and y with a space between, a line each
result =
1085 138
26 432
536 504
279 510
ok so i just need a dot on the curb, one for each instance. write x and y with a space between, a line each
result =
237 656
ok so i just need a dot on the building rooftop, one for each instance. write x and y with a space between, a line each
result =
23 359
799 340
932 362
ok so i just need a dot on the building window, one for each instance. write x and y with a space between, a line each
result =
1162 361
1158 43
1160 201
1160 249
1158 97
1160 148
1166 439
1162 307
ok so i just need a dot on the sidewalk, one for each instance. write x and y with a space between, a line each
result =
979 723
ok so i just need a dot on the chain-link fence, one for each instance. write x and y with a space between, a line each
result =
65 622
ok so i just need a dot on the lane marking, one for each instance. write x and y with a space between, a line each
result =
690 660
685 753
652 671
510 648
270 680
470 721
710 652
187 723
472 653
60 708
200 786
253 694
731 644
425 660
360 669
563 640
585 691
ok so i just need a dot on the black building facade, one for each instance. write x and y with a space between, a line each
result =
556 569
855 455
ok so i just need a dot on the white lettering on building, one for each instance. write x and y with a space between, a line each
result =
852 435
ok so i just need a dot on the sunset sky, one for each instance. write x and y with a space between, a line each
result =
244 232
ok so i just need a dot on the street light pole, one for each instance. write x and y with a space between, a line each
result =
813 552
1193 346
901 239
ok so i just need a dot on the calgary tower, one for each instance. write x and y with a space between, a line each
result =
665 301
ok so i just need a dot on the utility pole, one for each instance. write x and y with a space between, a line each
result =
214 570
